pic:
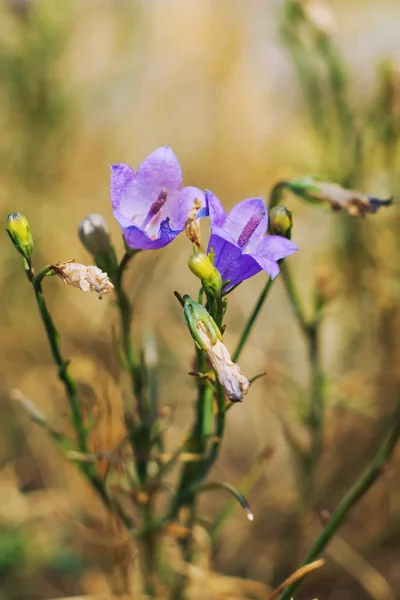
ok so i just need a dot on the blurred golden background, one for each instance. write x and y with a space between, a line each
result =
88 83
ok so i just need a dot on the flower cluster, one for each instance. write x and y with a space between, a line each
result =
152 209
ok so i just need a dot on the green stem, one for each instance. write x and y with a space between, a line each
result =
315 417
62 364
149 550
252 319
295 300
358 491
65 377
125 311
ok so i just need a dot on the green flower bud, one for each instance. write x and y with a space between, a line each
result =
202 267
197 316
20 234
94 235
280 221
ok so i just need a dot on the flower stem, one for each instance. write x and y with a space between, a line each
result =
70 387
149 545
62 364
316 409
125 311
252 319
375 469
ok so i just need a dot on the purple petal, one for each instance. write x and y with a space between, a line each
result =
122 176
275 247
270 266
272 249
226 252
160 170
180 209
138 239
241 214
127 197
243 268
215 210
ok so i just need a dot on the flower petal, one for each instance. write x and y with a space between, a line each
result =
215 210
240 270
226 252
122 176
138 239
160 170
241 214
179 210
275 247
272 249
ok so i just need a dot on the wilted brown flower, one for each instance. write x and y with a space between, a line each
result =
235 384
192 227
87 278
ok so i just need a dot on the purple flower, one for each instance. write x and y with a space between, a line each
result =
239 242
150 205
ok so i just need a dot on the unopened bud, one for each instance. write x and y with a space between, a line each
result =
280 221
210 277
20 234
208 337
94 235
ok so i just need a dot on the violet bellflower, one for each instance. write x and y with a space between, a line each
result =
150 205
239 242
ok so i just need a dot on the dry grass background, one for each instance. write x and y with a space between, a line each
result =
211 79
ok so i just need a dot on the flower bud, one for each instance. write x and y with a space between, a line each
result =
280 221
94 235
20 234
202 267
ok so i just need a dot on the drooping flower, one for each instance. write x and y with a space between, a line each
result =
239 242
87 278
150 205
356 203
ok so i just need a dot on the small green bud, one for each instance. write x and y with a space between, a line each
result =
280 221
94 235
20 234
201 266
197 316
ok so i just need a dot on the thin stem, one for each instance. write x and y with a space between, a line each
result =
62 364
316 409
150 549
252 319
125 311
294 299
358 491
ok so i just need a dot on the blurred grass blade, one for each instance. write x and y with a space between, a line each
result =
232 490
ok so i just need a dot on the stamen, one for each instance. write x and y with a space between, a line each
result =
155 207
250 227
